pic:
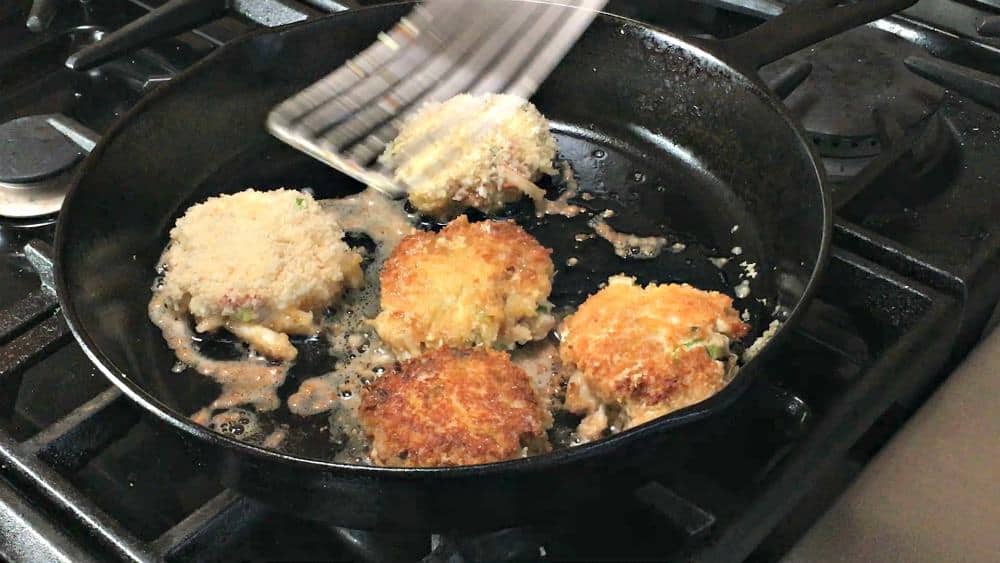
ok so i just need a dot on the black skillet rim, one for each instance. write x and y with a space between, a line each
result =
540 462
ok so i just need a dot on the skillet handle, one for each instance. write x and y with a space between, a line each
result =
802 25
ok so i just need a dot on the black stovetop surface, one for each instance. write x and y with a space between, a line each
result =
913 279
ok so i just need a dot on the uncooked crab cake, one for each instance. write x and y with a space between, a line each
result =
637 353
453 407
449 163
471 284
260 264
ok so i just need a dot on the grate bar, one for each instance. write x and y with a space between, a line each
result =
510 544
989 27
71 501
41 15
333 6
988 3
215 525
18 316
35 538
785 83
895 146
25 350
980 86
70 442
272 13
694 520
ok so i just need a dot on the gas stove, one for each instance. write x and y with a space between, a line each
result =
904 113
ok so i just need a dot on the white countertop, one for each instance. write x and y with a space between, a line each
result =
933 493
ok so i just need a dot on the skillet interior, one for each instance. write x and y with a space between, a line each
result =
661 114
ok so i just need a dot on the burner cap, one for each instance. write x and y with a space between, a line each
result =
21 201
32 150
853 74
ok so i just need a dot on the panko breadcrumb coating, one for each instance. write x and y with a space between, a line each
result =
453 407
449 164
471 284
258 263
637 353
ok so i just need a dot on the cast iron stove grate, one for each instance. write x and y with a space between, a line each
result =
729 478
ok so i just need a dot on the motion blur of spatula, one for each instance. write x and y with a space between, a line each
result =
442 48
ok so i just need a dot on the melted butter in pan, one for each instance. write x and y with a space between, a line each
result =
249 381
360 356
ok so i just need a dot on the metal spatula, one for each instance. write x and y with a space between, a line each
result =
442 48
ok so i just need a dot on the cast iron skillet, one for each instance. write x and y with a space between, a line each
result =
675 135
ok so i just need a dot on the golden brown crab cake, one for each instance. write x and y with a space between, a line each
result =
637 353
453 407
260 264
471 284
449 165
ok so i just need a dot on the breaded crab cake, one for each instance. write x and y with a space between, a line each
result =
471 284
637 353
260 264
453 407
450 164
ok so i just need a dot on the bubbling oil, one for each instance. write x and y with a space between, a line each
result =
359 354
250 380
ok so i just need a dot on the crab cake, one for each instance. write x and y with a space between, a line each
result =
449 162
637 353
260 264
453 407
471 284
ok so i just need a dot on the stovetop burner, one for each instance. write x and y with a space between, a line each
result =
32 150
854 76
35 157
31 200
